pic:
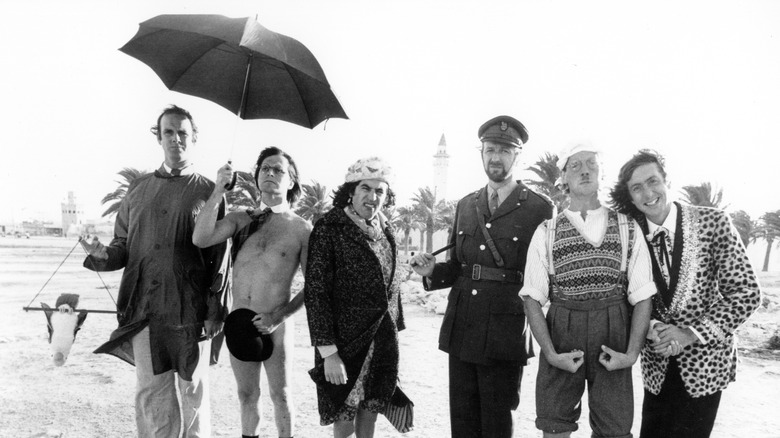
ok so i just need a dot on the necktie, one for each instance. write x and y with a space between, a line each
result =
661 242
175 172
493 204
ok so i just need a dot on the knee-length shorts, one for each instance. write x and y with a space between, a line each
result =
586 326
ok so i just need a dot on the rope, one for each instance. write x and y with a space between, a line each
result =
58 268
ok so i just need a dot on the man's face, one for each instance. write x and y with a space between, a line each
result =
175 138
581 174
274 177
498 160
647 187
369 197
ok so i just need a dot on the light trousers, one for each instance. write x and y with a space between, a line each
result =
160 410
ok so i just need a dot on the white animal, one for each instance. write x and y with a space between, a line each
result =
63 324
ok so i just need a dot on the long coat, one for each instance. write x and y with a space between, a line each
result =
349 304
714 291
485 320
168 283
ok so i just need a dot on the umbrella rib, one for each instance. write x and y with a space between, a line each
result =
287 68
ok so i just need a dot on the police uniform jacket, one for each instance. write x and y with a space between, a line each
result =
484 320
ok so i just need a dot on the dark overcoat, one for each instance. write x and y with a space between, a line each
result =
349 304
485 320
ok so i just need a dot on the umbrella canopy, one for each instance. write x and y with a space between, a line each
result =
238 64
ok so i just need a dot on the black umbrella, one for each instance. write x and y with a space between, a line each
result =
238 64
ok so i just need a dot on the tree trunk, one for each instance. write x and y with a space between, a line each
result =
768 252
422 240
406 243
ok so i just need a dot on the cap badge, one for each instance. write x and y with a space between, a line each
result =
504 126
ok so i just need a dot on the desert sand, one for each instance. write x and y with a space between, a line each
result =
92 395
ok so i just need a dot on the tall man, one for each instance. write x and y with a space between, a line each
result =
707 290
484 328
170 294
590 264
268 246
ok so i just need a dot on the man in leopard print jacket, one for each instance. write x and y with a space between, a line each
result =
707 290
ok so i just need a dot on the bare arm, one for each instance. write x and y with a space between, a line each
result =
570 361
640 320
208 230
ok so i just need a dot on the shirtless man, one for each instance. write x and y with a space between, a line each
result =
263 269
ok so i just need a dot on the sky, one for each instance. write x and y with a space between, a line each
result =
697 81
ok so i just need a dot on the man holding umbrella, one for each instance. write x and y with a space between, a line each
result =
268 245
169 300
484 328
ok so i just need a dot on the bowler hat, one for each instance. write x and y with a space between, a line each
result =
503 129
244 342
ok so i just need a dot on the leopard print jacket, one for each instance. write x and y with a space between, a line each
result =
716 292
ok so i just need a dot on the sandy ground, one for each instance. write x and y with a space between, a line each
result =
92 395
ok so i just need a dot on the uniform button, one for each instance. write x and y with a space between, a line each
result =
460 232
515 238
155 282
474 292
482 247
487 225
156 246
165 212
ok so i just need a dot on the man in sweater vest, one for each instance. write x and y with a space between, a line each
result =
592 267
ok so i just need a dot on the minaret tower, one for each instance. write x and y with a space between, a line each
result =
72 213
440 164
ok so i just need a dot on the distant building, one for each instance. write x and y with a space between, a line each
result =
441 162
72 215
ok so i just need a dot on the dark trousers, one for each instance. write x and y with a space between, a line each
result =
675 414
482 398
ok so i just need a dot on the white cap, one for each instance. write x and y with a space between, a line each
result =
369 168
573 148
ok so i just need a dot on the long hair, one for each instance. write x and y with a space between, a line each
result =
173 109
620 197
342 196
295 192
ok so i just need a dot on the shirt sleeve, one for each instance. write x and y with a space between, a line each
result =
640 271
327 350
536 283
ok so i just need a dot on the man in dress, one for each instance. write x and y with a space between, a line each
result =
484 328
590 263
268 246
707 290
170 295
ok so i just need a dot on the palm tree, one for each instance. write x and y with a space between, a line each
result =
314 203
430 214
769 229
403 220
115 198
245 193
746 227
546 169
703 195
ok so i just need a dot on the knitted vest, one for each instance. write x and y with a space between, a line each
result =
585 272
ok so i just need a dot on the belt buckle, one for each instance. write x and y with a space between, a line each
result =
476 272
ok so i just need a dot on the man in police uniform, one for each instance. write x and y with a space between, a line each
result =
484 328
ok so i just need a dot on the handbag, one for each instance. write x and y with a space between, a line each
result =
400 411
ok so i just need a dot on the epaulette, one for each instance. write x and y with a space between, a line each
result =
544 197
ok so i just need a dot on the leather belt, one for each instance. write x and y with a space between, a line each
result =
479 272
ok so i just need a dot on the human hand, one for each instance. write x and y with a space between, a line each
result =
93 247
335 371
614 360
212 328
672 340
267 323
65 308
571 361
423 264
224 178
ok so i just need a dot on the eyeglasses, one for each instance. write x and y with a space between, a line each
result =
277 170
575 166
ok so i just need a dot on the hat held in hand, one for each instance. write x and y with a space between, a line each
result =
243 340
